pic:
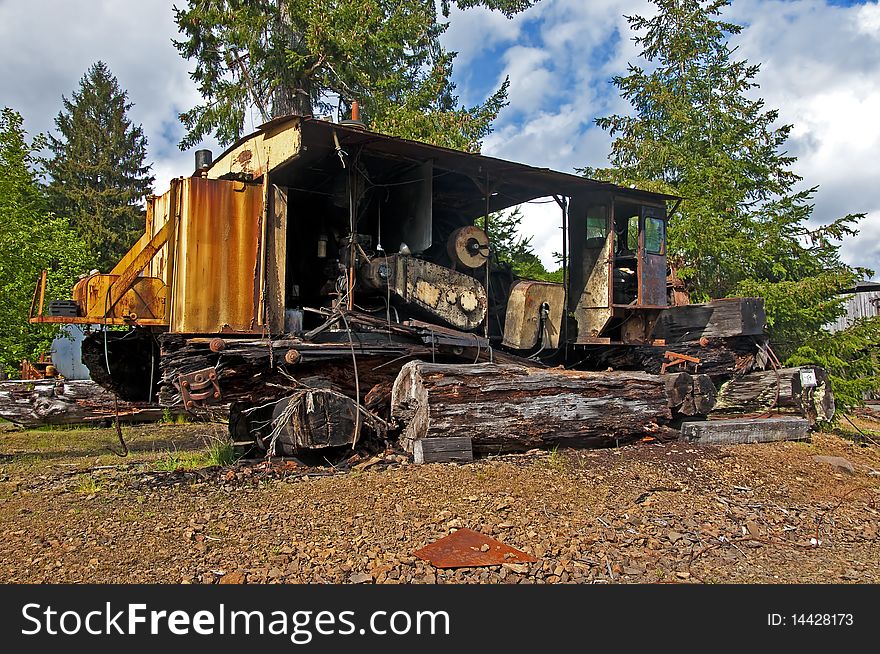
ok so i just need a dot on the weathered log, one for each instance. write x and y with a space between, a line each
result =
723 318
689 395
785 392
319 418
37 403
506 408
721 359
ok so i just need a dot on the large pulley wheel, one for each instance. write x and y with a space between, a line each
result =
468 247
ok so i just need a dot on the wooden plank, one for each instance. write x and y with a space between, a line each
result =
451 449
753 430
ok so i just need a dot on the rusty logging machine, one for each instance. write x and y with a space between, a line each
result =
311 260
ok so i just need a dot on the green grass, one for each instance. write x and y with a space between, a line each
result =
88 485
557 461
219 452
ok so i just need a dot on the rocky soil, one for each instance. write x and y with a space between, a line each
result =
785 512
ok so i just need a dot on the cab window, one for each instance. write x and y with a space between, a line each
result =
654 235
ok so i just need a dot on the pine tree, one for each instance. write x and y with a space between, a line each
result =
31 239
698 131
510 247
295 56
98 175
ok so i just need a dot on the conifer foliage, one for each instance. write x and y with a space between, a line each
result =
745 226
308 57
98 175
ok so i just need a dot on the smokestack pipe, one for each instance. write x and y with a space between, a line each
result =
204 158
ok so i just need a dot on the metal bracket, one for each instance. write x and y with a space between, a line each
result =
679 359
199 387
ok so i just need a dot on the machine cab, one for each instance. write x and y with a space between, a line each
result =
617 249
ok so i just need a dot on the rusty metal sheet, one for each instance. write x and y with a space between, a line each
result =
145 300
523 318
466 548
215 285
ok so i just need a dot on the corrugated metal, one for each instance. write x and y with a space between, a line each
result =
218 237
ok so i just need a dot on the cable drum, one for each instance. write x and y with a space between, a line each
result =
468 247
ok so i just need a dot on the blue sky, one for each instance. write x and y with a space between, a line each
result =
819 61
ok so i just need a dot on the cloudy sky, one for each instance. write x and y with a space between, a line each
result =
819 66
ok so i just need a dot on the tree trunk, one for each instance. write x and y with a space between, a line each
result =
761 392
689 395
291 96
66 402
506 408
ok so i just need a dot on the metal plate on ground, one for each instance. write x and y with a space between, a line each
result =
466 548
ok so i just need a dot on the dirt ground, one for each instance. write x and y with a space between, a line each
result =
71 511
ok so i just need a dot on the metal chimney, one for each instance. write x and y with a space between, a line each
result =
204 158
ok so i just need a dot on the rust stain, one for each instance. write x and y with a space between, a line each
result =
145 300
466 548
244 160
218 241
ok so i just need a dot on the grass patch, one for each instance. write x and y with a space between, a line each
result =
557 461
219 452
88 485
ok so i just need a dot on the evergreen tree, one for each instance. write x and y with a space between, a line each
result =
31 239
294 56
98 175
697 131
509 246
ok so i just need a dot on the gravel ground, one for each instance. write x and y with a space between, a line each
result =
645 513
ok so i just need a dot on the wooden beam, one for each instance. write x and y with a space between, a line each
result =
509 408
753 430
453 449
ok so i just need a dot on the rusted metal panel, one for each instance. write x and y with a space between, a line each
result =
160 209
652 261
465 548
146 300
129 274
216 283
454 297
652 280
275 260
272 145
522 325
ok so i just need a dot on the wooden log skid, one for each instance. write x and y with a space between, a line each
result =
721 318
66 402
456 449
721 359
734 432
761 392
505 408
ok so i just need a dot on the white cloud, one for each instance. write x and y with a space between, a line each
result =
530 80
46 47
477 30
818 67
